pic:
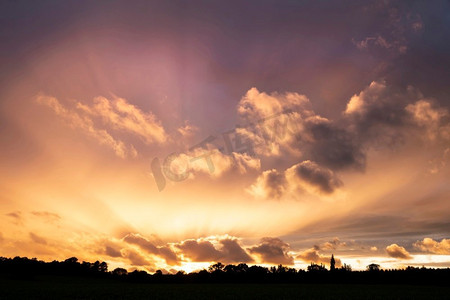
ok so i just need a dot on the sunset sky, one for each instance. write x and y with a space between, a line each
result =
173 134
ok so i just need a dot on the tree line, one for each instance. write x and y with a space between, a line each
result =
25 268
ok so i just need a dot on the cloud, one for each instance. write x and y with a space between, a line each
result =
285 124
111 251
135 258
16 217
85 124
233 252
49 217
320 178
187 130
304 176
270 122
313 256
273 250
434 120
37 239
430 245
397 251
122 115
256 105
377 114
378 117
162 251
270 184
226 250
325 142
141 241
199 250
373 41
331 245
211 162
400 26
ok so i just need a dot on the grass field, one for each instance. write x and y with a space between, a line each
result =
78 288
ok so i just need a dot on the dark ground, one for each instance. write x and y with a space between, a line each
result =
54 287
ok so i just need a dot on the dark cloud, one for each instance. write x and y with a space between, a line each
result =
136 259
111 251
16 217
377 115
37 239
199 250
331 146
275 182
272 184
321 178
142 242
401 24
164 251
230 251
273 250
233 252
170 256
397 251
307 175
381 116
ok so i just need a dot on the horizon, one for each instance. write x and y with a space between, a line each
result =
212 268
169 136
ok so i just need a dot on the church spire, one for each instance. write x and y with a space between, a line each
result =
332 263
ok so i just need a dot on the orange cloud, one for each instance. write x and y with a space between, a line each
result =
397 251
332 245
136 259
270 184
122 115
162 251
430 118
211 162
86 125
430 245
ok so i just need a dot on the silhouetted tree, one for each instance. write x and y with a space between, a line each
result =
316 268
119 272
346 268
241 268
373 268
24 268
230 268
217 267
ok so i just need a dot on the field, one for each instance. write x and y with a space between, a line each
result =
78 288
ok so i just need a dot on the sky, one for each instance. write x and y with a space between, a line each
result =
171 135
